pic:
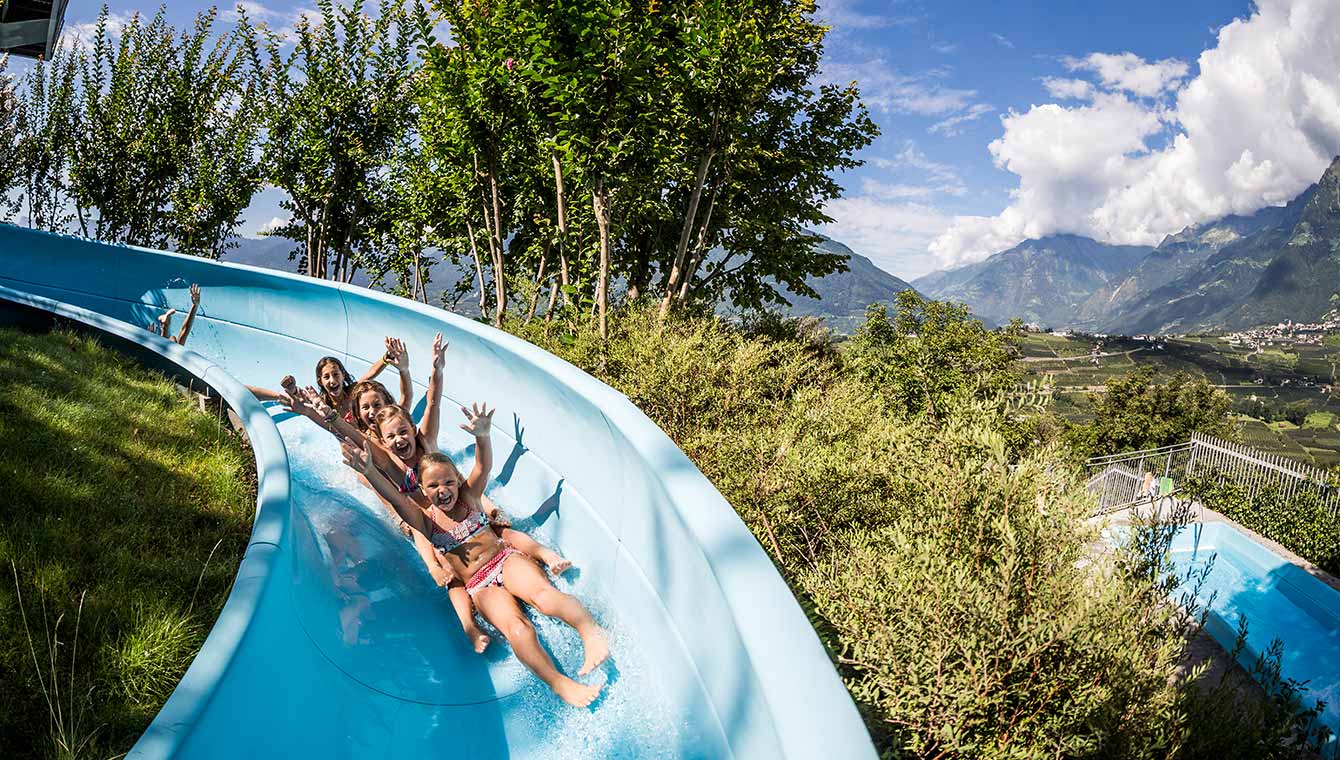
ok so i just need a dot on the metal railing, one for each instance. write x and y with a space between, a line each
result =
1122 480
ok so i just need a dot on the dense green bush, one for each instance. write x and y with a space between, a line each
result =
1301 522
1138 413
941 549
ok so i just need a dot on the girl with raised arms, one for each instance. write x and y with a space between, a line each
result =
495 574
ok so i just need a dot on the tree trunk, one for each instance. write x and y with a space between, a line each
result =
539 283
479 266
562 231
600 204
553 299
499 275
699 247
672 284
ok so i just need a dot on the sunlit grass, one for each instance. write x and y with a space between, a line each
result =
116 490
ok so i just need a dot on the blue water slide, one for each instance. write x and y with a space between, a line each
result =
334 640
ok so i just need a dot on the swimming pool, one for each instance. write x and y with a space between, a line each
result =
1280 601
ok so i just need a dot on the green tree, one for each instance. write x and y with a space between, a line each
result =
165 155
1137 413
10 166
339 108
48 122
931 355
629 139
767 145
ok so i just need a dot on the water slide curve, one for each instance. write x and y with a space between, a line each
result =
335 642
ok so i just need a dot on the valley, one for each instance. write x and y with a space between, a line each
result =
1285 396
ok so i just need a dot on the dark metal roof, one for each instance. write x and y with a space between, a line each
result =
30 27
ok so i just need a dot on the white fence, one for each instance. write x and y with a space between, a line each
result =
1121 480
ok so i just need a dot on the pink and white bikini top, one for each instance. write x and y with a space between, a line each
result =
447 540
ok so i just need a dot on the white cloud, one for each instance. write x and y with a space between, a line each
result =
81 35
953 125
885 89
1256 126
843 16
1068 89
1000 38
942 177
1131 73
274 224
945 48
894 234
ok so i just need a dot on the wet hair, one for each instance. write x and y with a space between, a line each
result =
396 411
438 458
357 390
321 364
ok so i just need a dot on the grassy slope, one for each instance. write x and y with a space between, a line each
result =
116 490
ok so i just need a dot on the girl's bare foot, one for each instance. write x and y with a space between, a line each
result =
596 646
478 639
556 563
576 694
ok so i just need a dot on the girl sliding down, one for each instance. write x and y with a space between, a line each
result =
409 445
335 386
497 575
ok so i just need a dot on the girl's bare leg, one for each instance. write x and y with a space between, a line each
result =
556 563
465 610
165 323
500 608
528 583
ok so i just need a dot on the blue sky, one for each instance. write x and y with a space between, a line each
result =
1003 121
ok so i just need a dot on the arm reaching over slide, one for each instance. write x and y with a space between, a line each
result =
479 423
397 348
358 457
432 415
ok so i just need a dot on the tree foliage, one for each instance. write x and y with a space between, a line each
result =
589 141
339 108
1136 413
930 354
146 136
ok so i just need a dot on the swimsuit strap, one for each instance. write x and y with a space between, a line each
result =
473 524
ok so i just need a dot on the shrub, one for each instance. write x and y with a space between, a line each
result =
1300 522
980 623
941 551
1137 413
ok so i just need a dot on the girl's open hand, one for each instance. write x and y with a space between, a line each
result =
195 294
357 457
314 400
479 420
439 352
398 352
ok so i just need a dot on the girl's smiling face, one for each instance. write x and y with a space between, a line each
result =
441 485
398 436
368 404
332 379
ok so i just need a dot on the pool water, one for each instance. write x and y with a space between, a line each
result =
1279 600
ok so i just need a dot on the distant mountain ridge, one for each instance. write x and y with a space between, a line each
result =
1279 263
843 296
1043 281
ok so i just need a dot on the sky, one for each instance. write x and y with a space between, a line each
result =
1004 121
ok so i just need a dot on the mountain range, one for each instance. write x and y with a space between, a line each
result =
843 296
1280 263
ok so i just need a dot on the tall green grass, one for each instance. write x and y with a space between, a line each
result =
117 488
